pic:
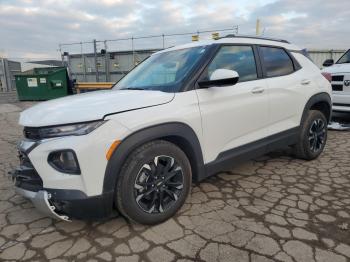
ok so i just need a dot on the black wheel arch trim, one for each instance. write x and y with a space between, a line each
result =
162 131
320 97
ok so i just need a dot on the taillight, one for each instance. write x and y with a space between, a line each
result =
328 76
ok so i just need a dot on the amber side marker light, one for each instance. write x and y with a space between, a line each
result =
112 149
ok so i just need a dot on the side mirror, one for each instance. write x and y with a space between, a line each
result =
220 77
328 62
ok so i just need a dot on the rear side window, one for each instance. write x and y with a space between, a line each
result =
276 61
238 58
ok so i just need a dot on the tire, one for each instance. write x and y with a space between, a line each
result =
157 165
312 137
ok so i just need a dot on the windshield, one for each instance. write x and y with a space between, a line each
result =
164 71
345 58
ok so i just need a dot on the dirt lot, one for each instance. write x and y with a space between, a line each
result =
272 209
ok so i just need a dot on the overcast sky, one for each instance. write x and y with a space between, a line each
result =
33 28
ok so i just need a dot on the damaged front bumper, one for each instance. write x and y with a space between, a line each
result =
29 184
41 202
63 204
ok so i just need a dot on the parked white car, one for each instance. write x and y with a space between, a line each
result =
339 75
183 114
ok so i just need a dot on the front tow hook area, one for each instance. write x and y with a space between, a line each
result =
41 202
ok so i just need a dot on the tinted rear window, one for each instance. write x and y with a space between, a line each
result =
277 62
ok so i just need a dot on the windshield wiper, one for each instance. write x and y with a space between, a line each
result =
132 88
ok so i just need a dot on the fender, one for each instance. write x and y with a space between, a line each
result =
321 97
189 143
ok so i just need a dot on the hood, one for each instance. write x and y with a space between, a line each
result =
90 106
337 68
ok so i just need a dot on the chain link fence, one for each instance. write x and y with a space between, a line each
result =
109 60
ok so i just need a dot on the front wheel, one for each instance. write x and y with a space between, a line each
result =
154 183
312 136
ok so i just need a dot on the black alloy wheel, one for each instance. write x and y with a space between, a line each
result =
312 136
317 134
153 183
158 184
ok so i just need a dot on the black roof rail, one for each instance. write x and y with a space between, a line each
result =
256 37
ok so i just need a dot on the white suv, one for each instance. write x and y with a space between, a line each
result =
183 114
339 76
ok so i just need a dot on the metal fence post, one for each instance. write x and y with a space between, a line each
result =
96 66
107 71
133 52
83 62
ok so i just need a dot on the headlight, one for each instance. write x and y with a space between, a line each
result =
63 130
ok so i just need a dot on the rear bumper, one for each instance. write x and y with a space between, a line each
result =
341 102
337 107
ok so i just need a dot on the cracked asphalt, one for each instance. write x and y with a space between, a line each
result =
274 208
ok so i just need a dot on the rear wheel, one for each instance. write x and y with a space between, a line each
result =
154 183
313 136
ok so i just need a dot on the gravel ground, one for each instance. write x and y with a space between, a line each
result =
274 208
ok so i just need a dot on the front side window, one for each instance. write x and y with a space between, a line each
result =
163 71
238 58
276 61
345 58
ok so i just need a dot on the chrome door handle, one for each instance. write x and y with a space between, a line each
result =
258 90
305 82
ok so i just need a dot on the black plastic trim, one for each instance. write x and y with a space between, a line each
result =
162 131
340 104
256 37
258 63
77 172
191 81
228 159
75 204
26 178
219 82
320 97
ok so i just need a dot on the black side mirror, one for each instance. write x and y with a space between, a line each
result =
328 62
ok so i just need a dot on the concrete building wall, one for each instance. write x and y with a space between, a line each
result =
319 56
8 70
111 67
82 68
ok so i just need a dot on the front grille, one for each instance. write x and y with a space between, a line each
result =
337 87
31 133
338 78
26 176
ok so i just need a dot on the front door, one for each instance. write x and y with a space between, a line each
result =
233 115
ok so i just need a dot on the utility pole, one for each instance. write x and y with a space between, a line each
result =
257 28
96 65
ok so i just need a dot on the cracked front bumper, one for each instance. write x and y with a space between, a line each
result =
56 194
41 202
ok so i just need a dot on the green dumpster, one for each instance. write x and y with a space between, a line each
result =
42 83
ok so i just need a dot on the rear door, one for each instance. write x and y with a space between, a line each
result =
286 84
233 115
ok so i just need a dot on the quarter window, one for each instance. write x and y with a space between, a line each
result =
276 61
238 58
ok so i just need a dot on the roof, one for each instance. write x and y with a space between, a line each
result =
239 40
